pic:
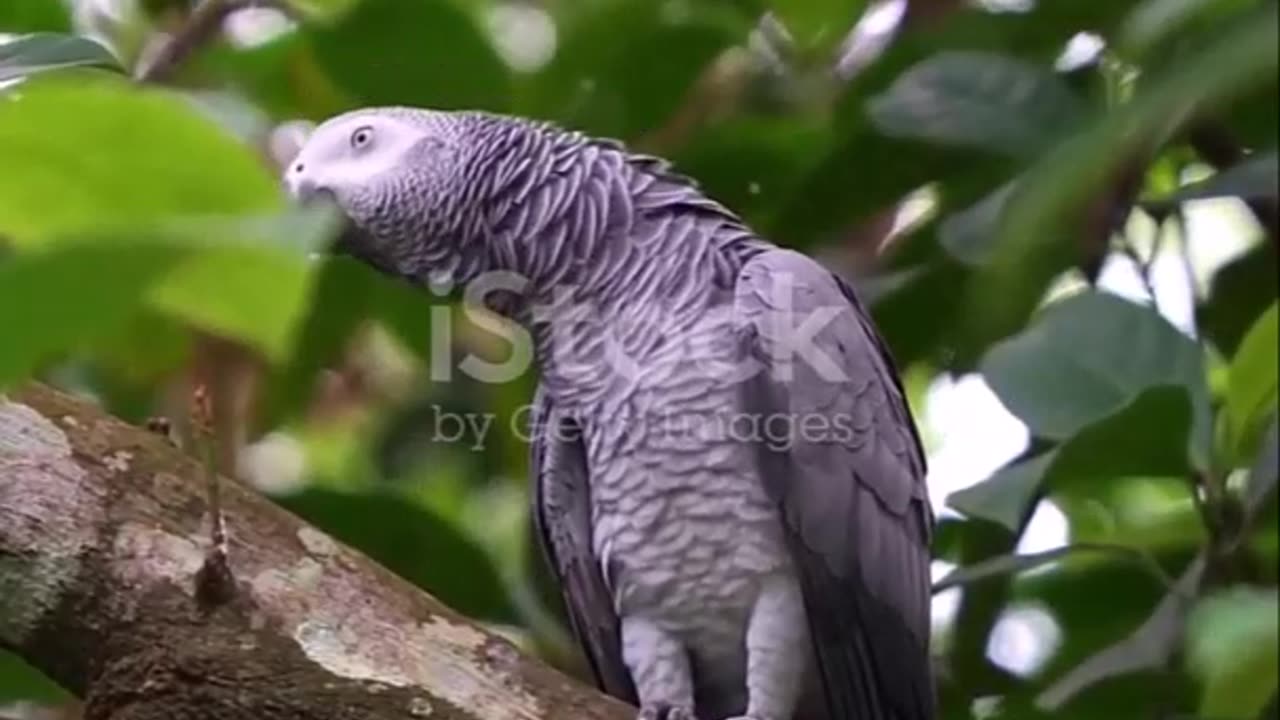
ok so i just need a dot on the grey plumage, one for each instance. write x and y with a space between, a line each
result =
702 569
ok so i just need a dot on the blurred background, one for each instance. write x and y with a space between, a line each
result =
1062 212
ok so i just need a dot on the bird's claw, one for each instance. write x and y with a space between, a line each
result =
666 712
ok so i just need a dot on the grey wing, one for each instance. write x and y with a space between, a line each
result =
849 483
562 516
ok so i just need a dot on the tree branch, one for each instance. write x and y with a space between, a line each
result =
200 27
101 535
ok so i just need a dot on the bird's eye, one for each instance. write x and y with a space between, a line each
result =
361 137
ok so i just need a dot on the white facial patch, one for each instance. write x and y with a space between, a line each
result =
349 152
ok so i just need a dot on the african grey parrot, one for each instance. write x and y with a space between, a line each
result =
728 483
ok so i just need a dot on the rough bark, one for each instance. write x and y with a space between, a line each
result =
102 530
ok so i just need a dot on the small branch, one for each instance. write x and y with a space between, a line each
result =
200 27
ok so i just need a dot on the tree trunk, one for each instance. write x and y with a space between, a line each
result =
102 532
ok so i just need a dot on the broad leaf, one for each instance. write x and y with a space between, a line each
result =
63 298
1251 385
980 100
247 281
1003 497
44 52
1156 23
623 67
1048 215
28 16
1090 355
427 53
1232 644
101 156
21 682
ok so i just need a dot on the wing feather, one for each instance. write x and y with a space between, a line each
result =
561 512
849 482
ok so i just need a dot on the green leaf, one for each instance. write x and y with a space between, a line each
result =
98 156
1232 640
623 67
344 294
1155 22
969 234
25 16
1003 497
1253 179
45 52
1038 234
818 24
21 682
321 9
425 53
1090 355
62 298
1251 385
1037 35
753 163
981 100
1264 474
1148 435
233 279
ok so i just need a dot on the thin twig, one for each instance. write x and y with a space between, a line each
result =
200 27
215 584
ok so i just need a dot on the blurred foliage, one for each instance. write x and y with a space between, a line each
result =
973 167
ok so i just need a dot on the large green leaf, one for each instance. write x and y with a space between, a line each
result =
21 682
1147 435
428 53
1251 385
1090 355
753 163
56 300
25 16
977 99
1040 231
44 52
1156 24
344 294
1003 497
244 280
94 156
1037 35
623 67
1239 293
1232 644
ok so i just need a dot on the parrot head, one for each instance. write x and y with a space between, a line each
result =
391 171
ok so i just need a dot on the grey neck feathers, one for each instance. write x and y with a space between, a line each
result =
583 220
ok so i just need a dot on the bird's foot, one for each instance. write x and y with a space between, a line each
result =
666 712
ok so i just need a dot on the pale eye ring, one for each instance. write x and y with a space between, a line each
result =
361 137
